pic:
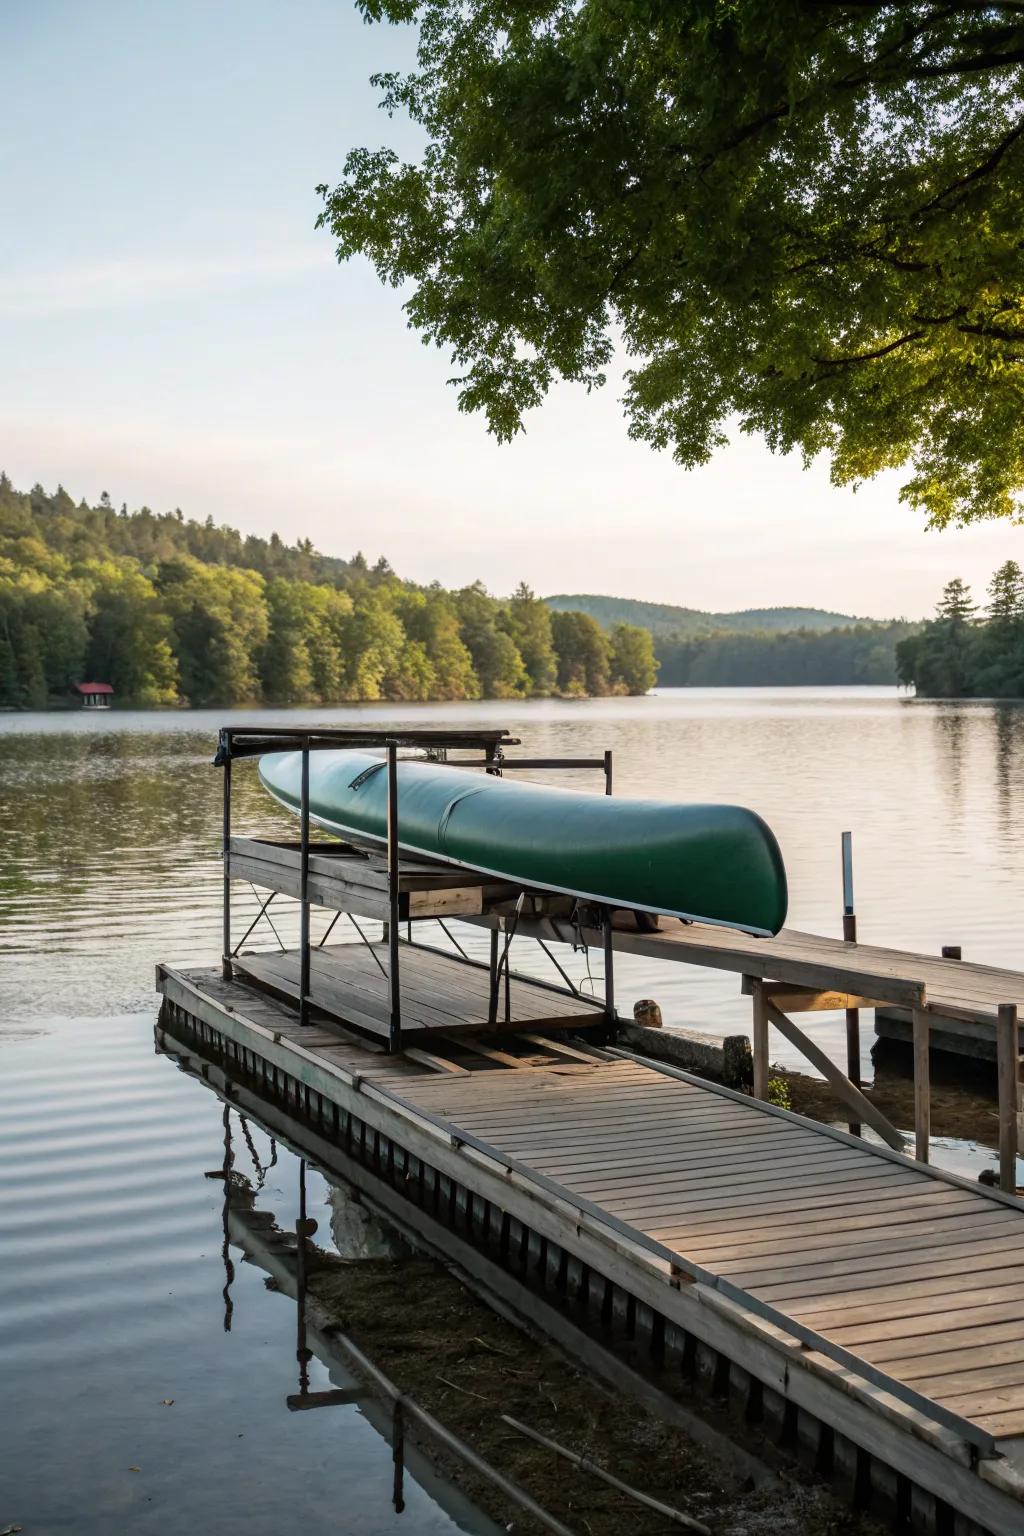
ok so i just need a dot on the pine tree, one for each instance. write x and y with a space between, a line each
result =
1006 595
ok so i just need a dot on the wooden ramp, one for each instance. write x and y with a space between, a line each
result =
905 1268
440 994
956 989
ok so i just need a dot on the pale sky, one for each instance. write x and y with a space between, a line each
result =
176 332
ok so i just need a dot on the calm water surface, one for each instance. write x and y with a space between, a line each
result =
111 1264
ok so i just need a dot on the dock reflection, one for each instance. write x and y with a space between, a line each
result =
287 1255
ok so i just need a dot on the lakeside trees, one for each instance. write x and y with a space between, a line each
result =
958 654
168 610
855 654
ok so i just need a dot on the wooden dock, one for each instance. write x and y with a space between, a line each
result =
799 972
876 1300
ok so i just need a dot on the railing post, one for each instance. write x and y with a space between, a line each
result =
394 981
226 968
608 772
1008 1058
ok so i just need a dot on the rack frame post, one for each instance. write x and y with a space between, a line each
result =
226 968
304 982
394 977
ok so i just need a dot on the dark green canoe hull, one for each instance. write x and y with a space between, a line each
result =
712 863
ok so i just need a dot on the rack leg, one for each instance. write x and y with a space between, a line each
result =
226 968
394 980
304 891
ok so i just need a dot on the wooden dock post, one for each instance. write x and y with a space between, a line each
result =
1008 1058
760 1038
922 1084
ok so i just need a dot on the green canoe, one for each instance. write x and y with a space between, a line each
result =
711 863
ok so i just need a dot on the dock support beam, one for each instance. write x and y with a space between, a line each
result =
226 967
304 888
922 1084
760 1038
1008 1058
394 982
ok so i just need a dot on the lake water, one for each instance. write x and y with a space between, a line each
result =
126 1404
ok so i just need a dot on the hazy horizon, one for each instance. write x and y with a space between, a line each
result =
181 336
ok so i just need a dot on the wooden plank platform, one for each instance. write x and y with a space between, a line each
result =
824 1266
440 994
346 878
956 989
878 1255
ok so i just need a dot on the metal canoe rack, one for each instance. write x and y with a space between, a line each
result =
393 903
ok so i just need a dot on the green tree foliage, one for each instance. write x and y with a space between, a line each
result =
431 621
496 658
959 656
87 592
633 665
801 216
129 642
527 620
584 654
221 623
858 654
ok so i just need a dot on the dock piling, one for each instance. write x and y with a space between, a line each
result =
1008 1059
922 1083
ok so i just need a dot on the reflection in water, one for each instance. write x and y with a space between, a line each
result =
126 1406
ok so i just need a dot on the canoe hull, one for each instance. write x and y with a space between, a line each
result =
710 863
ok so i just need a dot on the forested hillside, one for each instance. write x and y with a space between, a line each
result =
858 654
667 619
170 611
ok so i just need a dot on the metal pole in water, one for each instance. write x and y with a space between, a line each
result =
850 937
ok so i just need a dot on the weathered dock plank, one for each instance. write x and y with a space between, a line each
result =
440 994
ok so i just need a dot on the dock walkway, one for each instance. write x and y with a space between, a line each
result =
879 1295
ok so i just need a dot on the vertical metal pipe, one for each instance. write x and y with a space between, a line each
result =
850 937
492 1002
394 981
1008 1058
304 888
608 773
226 967
609 971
